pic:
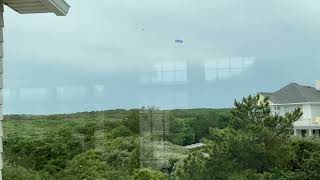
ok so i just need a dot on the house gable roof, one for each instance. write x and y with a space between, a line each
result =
294 93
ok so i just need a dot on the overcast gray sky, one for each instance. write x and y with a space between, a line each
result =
102 43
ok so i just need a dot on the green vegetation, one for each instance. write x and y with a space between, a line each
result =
247 142
255 145
99 145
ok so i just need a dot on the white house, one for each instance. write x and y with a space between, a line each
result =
295 96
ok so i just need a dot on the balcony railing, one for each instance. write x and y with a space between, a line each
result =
308 122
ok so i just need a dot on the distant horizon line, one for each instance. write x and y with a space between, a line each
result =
116 109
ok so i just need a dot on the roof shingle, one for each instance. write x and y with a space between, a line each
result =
294 93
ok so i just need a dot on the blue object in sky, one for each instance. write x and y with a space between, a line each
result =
178 41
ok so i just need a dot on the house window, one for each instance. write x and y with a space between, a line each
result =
276 110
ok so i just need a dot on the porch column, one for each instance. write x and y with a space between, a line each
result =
316 133
310 132
295 132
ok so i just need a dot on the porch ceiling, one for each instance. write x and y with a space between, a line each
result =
59 7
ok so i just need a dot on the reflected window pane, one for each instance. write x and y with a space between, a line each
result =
180 66
224 74
211 75
226 68
211 65
247 62
168 67
36 94
70 92
181 76
235 72
157 76
169 72
224 64
157 67
236 63
168 76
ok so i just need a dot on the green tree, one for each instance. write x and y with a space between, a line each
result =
311 166
269 134
20 173
148 174
255 142
180 131
49 152
132 121
88 165
203 122
305 158
121 153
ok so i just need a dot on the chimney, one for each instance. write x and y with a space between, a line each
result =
318 85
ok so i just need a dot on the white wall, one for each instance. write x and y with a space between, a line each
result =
291 108
310 112
306 109
283 109
315 111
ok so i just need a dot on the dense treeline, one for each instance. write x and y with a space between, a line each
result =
93 145
194 125
247 142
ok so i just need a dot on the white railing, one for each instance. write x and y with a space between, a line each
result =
307 122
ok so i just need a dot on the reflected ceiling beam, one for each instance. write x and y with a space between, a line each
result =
58 7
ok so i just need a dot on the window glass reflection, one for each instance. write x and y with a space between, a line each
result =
169 72
226 68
